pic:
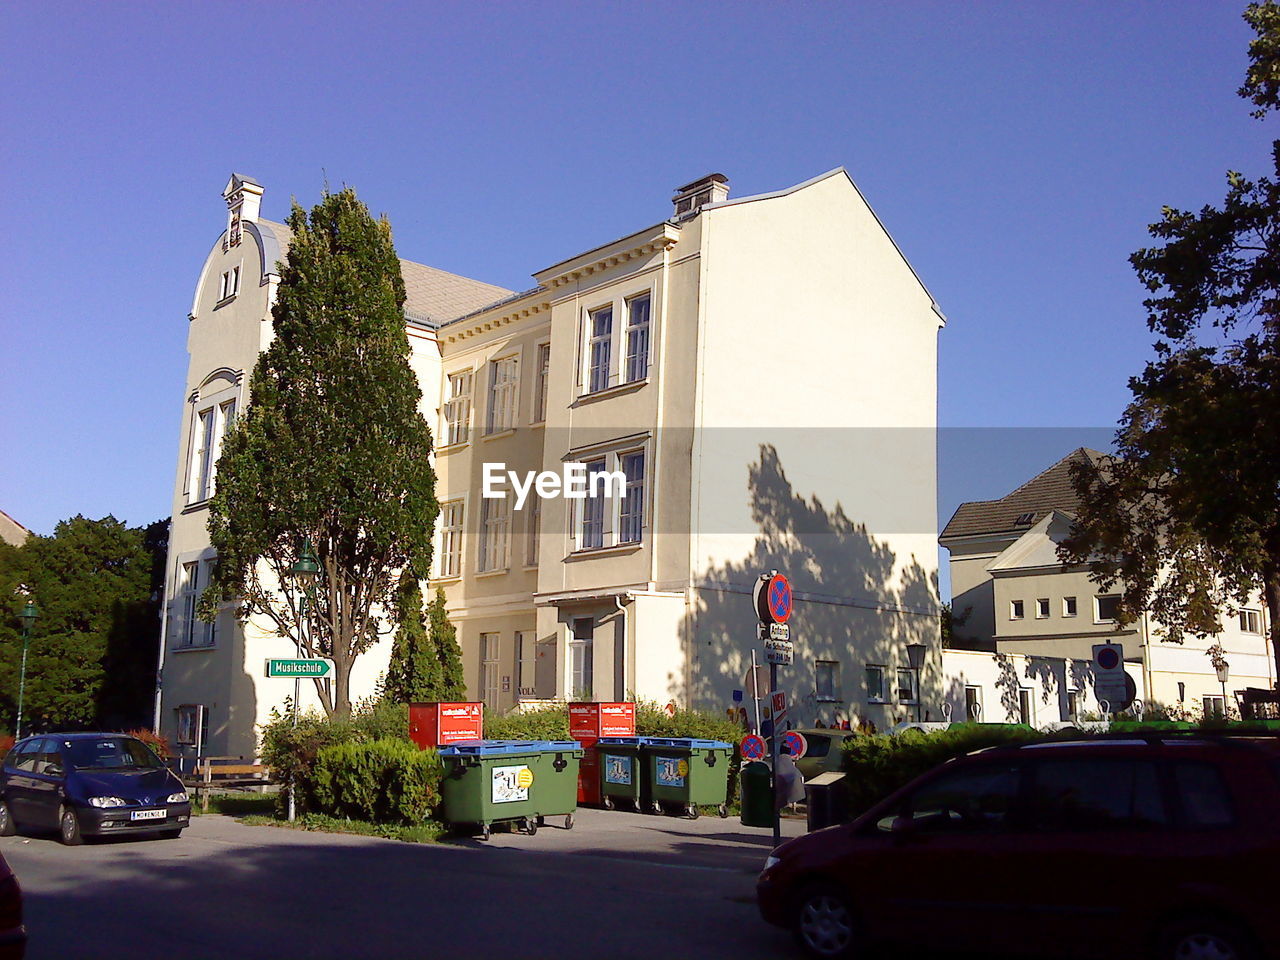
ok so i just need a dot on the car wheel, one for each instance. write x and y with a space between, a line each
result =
824 922
1205 938
7 826
69 827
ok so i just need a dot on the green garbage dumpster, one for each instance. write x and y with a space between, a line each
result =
687 772
510 781
758 808
622 772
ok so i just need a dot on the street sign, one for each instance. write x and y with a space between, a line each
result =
304 668
778 700
779 652
774 631
795 744
772 598
1110 682
756 682
752 747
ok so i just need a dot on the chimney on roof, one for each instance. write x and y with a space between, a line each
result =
244 198
692 197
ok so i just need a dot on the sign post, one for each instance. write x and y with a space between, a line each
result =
772 600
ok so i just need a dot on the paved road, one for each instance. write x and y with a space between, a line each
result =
618 885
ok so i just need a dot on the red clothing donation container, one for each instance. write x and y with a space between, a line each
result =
588 722
440 724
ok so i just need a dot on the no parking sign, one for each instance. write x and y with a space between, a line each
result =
752 747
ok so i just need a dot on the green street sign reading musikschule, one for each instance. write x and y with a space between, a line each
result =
299 668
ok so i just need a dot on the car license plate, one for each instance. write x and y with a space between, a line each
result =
147 815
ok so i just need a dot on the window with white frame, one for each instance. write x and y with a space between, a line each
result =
187 630
193 725
631 517
542 380
907 689
230 284
457 408
1106 609
1026 707
1068 606
875 683
637 359
526 664
593 508
489 646
213 418
504 383
451 516
1042 608
1250 621
826 680
1073 704
1215 707
533 533
1017 610
581 657
599 348
495 528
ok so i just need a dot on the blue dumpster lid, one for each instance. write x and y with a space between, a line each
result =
623 741
687 743
489 748
551 746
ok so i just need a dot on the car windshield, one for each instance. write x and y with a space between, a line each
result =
109 753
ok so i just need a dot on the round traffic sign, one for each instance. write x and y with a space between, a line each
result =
773 599
752 747
1108 658
795 744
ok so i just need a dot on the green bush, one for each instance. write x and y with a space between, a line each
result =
550 722
879 764
382 781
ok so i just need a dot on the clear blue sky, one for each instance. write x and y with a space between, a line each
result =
1016 151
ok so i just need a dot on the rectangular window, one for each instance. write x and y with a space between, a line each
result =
1250 621
1215 707
827 679
495 525
907 692
457 408
1073 704
631 519
1026 709
580 657
503 386
489 668
203 459
188 594
526 664
193 725
1016 610
637 338
230 284
1042 609
542 374
1096 794
875 684
534 532
593 508
1106 609
1068 606
235 280
599 349
451 515
973 703
1203 795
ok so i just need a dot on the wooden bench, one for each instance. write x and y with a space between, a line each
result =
225 773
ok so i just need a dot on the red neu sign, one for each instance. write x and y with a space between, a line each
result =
439 724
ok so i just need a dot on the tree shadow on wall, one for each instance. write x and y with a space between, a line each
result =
857 603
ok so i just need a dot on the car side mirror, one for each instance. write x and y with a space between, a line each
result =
904 827
53 770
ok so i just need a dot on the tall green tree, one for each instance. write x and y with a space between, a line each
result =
415 673
92 655
331 450
1186 516
444 637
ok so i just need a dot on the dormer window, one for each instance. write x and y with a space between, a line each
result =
230 284
1024 520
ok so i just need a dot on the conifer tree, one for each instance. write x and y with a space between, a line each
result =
415 673
444 636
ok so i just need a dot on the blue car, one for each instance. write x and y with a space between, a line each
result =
90 784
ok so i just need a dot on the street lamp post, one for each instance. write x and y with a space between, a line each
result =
1224 674
304 571
28 617
915 657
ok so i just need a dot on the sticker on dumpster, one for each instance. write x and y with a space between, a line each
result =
672 771
511 784
617 769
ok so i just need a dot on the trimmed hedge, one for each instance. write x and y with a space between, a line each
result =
879 764
550 722
383 781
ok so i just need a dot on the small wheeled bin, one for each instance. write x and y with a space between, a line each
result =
510 781
687 773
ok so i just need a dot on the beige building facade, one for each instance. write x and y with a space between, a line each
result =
754 382
1017 598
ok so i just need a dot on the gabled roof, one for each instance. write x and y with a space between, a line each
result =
11 531
1038 547
431 294
1016 512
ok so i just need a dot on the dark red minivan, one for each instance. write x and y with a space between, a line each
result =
1160 846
